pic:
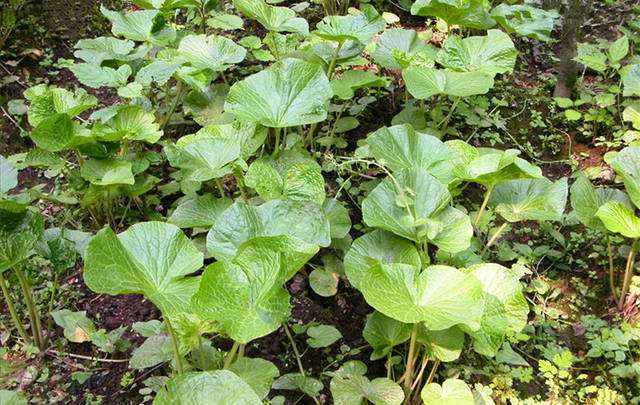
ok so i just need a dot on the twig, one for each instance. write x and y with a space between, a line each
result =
80 356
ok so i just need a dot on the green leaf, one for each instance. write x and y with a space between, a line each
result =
289 93
631 114
619 218
378 247
439 296
467 13
525 20
100 76
590 56
344 86
46 101
199 211
245 295
491 54
258 373
210 52
324 282
586 199
225 22
505 308
398 40
158 71
338 216
349 386
322 336
8 175
54 133
627 164
155 350
149 258
296 228
77 328
424 82
630 75
415 205
384 333
298 382
342 28
143 25
618 49
12 398
278 19
222 386
452 392
530 199
130 122
19 234
490 166
444 345
102 49
106 172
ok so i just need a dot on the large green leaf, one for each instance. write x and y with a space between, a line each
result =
8 175
350 386
467 13
143 25
505 307
490 54
54 133
444 345
107 172
258 373
397 40
344 86
130 122
46 101
425 82
619 218
631 80
525 20
297 228
101 49
452 392
384 333
587 199
342 28
199 211
627 164
378 247
245 295
530 199
221 387
273 18
100 76
289 93
210 51
19 234
150 258
439 296
415 205
204 156
158 71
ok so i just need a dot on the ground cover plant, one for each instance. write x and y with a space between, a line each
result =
329 202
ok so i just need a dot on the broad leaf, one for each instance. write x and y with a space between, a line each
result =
619 218
155 350
490 54
130 122
322 336
338 216
245 295
525 20
77 328
425 82
8 175
258 373
398 40
378 247
490 166
47 101
444 345
54 133
149 258
289 93
439 296
345 85
273 18
530 199
19 234
627 164
143 25
101 49
203 156
505 307
592 57
199 211
342 28
298 382
467 13
107 172
452 392
587 199
384 333
210 51
222 386
350 386
631 80
100 76
158 71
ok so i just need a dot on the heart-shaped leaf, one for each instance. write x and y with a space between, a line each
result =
349 386
130 122
351 80
223 385
258 373
142 25
627 164
100 76
342 28
444 345
490 54
530 199
273 18
46 101
199 211
467 13
107 172
384 333
525 20
322 336
8 175
425 82
289 93
587 199
19 234
452 392
630 75
619 218
397 40
245 295
149 258
98 50
210 51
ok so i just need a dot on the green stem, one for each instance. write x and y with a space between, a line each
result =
174 346
231 355
612 276
494 238
174 105
221 188
54 290
628 274
241 351
485 201
408 373
295 348
276 147
389 367
334 59
445 122
12 309
31 307
240 182
433 372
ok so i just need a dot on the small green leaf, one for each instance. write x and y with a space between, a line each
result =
590 56
618 49
199 211
278 19
631 80
619 218
225 22
355 27
322 336
19 234
470 13
101 76
54 133
210 51
8 175
444 345
425 82
384 333
398 40
222 385
526 20
452 392
298 382
106 172
77 328
257 373
324 282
